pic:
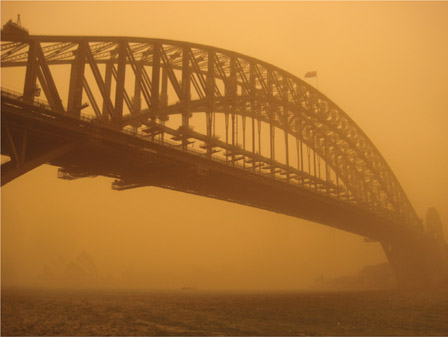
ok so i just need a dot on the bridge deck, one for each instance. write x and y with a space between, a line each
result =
136 160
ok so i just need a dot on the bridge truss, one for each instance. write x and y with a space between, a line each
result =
254 116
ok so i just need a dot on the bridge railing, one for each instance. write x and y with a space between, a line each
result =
17 95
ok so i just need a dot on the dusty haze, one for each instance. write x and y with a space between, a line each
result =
384 63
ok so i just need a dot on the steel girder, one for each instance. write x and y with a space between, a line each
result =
212 80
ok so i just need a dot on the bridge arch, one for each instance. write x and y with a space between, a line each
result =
179 78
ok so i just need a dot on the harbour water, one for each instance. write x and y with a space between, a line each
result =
142 313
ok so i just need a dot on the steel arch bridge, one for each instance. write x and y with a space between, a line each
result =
202 120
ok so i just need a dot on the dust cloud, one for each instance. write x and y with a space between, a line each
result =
383 63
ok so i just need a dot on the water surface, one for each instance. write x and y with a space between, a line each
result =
88 312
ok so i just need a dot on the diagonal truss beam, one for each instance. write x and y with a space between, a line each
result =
110 110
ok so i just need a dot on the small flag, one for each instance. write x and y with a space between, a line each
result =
311 74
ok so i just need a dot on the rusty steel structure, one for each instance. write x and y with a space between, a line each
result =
264 129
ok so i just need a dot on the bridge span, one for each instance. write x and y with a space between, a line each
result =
207 121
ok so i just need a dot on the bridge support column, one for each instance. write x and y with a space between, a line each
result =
418 261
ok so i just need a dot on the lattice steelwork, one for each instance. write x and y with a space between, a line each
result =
139 83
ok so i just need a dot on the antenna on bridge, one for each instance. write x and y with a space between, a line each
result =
19 22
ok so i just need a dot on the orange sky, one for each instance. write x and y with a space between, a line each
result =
384 63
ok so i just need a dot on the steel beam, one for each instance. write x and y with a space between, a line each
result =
119 92
76 82
106 112
105 93
155 89
29 90
47 81
210 93
186 114
137 99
